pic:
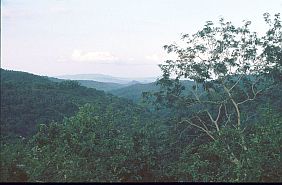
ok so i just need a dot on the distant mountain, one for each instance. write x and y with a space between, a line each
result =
104 86
94 77
132 90
107 78
133 82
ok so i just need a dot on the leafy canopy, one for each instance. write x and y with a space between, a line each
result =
217 51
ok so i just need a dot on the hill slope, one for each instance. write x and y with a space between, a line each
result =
104 86
134 92
100 85
27 100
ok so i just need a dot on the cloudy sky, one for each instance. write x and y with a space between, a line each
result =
116 37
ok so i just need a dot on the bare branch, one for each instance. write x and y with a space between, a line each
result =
203 123
227 115
214 121
210 116
219 111
254 93
201 128
236 82
234 104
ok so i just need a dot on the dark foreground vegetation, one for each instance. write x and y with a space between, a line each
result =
225 127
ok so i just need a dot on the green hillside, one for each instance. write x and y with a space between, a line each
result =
86 135
134 92
28 100
104 86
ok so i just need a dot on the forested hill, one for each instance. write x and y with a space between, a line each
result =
28 100
103 86
134 92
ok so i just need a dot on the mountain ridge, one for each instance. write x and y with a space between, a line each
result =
107 78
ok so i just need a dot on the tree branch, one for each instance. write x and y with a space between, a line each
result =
219 111
236 82
234 104
201 128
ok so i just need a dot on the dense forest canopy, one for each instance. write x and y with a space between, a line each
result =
223 126
28 100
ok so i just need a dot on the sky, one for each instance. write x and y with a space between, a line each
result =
122 38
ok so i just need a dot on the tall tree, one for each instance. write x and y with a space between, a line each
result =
230 67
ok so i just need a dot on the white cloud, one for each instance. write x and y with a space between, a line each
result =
93 56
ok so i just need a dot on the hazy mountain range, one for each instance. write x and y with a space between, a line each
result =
108 78
129 88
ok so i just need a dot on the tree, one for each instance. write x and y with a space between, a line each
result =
230 66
